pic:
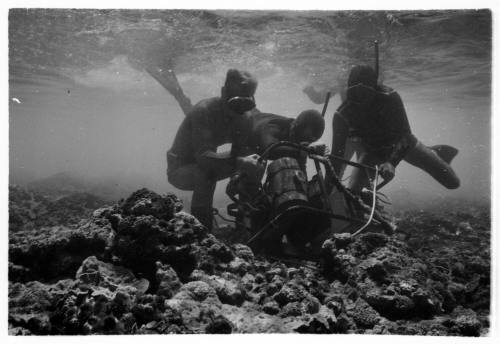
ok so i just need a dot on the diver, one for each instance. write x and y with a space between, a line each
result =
374 115
267 128
193 161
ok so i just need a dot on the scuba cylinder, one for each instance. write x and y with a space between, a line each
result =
286 184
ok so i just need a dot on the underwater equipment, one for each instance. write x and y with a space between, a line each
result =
325 106
290 209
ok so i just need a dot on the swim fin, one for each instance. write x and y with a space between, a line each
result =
445 152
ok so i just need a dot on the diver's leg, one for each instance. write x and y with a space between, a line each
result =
445 152
428 160
360 178
351 147
190 177
201 203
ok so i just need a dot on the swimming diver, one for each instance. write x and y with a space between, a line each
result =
374 114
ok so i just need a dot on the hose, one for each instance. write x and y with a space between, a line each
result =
374 202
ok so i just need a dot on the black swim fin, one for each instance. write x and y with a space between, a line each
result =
445 152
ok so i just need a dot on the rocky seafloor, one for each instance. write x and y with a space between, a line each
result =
143 266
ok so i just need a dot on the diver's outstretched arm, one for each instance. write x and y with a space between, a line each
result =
167 78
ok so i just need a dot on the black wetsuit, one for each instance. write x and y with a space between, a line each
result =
385 136
383 128
193 161
207 126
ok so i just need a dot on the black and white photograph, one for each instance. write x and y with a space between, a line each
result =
264 171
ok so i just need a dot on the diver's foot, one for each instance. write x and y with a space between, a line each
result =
445 152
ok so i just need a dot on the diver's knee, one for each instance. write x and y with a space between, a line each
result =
453 184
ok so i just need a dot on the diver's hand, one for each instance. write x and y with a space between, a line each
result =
251 166
320 149
232 186
387 171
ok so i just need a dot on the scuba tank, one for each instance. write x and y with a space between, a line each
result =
286 184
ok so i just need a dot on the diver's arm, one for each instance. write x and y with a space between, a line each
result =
205 150
340 133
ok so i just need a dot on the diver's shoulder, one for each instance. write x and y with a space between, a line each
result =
344 108
266 118
208 103
386 90
205 106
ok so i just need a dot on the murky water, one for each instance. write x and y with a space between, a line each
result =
87 105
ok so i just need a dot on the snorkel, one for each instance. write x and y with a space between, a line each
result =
375 43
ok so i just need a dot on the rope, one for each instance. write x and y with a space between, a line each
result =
374 202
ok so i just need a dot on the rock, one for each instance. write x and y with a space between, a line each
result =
219 325
342 240
276 271
293 309
19 331
31 210
290 292
363 314
57 252
141 241
167 280
247 281
335 305
221 252
368 242
110 277
244 252
375 269
146 202
156 274
425 305
458 292
336 264
407 287
259 278
197 303
228 290
29 305
19 273
271 307
239 266
322 322
197 291
390 306
478 265
466 322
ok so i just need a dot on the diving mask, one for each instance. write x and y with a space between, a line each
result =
241 105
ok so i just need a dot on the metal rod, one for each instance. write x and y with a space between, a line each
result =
325 106
310 151
352 163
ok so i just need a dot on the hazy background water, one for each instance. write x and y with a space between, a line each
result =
87 106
